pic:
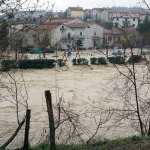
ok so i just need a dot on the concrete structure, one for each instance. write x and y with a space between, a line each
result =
106 15
20 33
88 15
125 19
75 12
96 14
90 35
112 37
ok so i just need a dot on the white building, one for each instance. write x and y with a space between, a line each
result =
128 20
75 12
96 14
89 35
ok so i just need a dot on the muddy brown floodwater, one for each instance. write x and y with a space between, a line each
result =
84 88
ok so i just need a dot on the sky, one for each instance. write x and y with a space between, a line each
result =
87 4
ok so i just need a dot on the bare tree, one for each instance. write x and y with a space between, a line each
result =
14 93
133 89
146 3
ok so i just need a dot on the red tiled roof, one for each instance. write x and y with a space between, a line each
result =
88 10
78 25
76 8
58 20
99 9
46 27
96 37
121 14
110 10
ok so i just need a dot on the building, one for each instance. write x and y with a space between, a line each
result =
52 28
125 19
20 35
70 33
106 15
75 12
89 34
112 37
96 14
88 15
60 21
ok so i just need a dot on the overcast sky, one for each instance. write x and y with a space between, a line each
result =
86 4
64 4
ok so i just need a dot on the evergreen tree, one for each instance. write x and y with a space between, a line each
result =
4 36
145 26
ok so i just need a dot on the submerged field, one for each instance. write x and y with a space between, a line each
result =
85 90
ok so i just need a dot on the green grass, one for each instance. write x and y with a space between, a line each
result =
44 146
99 145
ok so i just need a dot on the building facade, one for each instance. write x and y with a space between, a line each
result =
125 20
75 12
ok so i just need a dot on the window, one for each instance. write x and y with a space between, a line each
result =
25 40
116 25
109 38
133 25
117 19
133 19
69 36
81 33
94 33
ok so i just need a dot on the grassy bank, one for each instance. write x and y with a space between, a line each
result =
130 143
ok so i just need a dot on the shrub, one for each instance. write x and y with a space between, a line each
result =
6 65
98 61
135 58
80 61
93 61
74 61
102 61
36 64
61 62
116 60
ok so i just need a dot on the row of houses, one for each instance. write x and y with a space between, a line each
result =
65 32
119 19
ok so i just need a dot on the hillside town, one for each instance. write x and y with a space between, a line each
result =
78 28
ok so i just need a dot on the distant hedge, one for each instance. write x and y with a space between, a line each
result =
116 60
6 65
98 61
80 61
36 64
135 59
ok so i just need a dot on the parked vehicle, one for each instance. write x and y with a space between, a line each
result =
116 51
36 51
44 51
49 50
